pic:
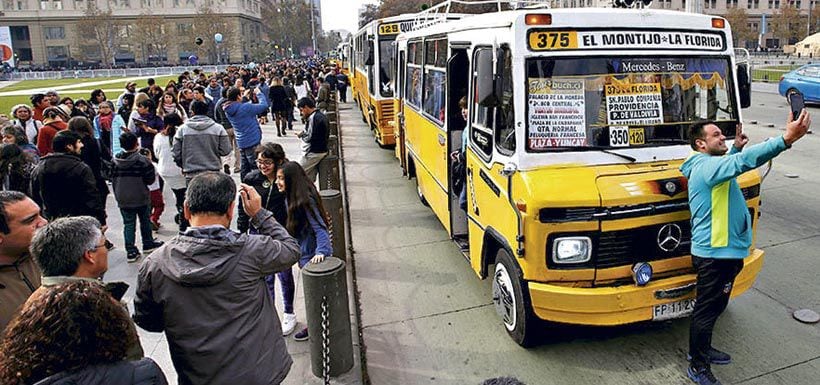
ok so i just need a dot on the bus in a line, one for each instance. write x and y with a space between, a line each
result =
577 123
373 71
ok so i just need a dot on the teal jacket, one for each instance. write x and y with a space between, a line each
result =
721 225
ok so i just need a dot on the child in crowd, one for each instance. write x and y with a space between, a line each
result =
307 219
132 174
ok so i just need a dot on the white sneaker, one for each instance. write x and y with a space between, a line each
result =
288 323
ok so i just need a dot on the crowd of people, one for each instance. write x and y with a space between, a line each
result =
209 288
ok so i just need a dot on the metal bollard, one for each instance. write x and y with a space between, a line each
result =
328 318
332 201
329 173
333 145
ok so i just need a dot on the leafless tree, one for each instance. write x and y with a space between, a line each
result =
98 25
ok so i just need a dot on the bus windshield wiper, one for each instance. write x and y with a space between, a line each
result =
668 140
603 149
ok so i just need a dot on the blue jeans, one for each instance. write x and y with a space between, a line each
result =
286 281
247 158
129 224
288 287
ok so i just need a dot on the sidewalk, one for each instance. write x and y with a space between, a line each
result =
155 345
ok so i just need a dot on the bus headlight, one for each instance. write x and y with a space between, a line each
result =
571 250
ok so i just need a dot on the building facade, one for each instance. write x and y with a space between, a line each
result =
756 10
49 32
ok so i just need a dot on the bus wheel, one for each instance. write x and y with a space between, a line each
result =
422 199
511 299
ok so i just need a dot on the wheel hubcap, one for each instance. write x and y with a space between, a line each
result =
504 297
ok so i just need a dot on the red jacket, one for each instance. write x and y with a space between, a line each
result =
46 135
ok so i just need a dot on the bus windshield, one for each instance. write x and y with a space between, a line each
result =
387 67
606 102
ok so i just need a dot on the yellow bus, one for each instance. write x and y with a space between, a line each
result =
577 123
373 70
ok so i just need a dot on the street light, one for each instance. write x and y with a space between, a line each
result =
217 41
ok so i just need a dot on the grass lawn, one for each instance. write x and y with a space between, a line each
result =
771 74
7 102
45 84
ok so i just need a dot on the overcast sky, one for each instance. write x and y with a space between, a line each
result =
342 14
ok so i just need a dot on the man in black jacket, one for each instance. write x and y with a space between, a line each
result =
315 136
63 185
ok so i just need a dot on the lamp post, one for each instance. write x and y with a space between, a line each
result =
217 41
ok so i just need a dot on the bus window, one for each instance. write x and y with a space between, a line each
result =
435 80
481 127
413 80
625 102
505 119
387 67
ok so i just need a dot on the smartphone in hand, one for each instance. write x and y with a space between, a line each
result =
797 103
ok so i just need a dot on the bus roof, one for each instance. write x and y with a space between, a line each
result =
575 18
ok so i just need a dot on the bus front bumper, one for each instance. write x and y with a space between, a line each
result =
627 303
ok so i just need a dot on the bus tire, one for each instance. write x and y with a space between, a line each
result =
422 199
512 301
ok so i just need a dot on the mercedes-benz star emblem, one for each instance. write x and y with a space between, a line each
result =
669 237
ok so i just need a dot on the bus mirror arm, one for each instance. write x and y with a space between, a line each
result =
509 169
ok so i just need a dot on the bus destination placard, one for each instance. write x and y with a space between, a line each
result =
555 40
556 113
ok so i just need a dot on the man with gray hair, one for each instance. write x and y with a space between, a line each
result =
205 289
73 249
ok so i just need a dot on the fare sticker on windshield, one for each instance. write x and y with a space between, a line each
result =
634 104
556 113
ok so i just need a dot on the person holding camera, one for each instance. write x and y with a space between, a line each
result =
721 226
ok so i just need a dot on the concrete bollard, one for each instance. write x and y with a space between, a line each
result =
332 201
333 145
329 173
328 317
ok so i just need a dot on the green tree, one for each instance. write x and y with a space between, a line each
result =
98 25
206 24
739 21
787 25
288 26
370 13
150 30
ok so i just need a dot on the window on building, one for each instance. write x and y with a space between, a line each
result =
8 4
57 4
731 4
20 33
54 32
21 5
57 52
797 4
43 5
91 51
24 54
184 28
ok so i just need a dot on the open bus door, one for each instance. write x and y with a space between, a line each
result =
457 82
401 150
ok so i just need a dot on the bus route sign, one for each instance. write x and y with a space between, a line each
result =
599 39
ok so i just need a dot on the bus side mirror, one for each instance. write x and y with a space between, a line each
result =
744 85
485 82
369 53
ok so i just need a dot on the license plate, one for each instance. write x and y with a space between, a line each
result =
672 310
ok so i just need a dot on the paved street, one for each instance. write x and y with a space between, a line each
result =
427 319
